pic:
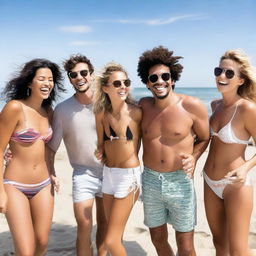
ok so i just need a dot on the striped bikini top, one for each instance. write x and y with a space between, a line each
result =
29 135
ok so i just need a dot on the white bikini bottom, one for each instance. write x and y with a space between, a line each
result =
218 186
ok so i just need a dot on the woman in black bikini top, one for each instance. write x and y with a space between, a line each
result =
118 128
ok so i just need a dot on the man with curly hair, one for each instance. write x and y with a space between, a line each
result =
74 122
175 133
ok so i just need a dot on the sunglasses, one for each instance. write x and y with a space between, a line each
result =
73 74
118 83
154 78
228 72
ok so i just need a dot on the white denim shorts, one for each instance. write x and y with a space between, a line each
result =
121 181
85 186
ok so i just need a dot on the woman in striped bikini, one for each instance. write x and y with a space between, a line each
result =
25 186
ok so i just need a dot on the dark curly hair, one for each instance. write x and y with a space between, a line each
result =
75 59
156 56
17 88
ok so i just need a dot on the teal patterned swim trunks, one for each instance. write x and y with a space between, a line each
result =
169 198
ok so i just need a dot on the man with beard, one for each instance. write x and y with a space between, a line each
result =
175 133
74 121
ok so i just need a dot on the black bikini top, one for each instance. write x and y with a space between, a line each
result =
113 136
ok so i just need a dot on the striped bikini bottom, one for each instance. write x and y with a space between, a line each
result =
29 190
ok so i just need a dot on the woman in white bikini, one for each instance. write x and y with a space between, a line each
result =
26 195
118 129
228 183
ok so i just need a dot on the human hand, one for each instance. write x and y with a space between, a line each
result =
3 202
237 175
100 155
7 156
188 164
56 183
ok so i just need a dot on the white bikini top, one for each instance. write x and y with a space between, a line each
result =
227 135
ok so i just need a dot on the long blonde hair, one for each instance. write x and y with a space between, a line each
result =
101 99
247 72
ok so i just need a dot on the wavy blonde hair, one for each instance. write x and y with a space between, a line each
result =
247 72
101 99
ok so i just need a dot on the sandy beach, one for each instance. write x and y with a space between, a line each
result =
136 237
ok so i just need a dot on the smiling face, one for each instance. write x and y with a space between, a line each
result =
225 84
163 85
81 78
42 83
117 92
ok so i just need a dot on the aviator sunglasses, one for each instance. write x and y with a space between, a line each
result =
118 83
73 74
165 77
228 72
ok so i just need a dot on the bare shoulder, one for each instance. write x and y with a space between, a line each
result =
146 101
193 105
11 113
99 115
136 112
12 107
247 108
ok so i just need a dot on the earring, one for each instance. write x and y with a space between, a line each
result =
28 92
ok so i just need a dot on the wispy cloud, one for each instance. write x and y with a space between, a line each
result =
82 43
157 22
75 29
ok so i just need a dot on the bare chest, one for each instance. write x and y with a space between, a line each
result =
174 124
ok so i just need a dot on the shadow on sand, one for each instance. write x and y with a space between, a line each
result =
62 242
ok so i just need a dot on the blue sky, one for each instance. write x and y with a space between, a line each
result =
200 31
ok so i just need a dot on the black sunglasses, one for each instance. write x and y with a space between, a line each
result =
228 72
118 83
73 74
165 77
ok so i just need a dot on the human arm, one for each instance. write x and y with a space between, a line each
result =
50 157
53 145
137 117
99 152
9 118
201 130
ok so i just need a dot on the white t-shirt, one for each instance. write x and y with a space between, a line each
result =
75 124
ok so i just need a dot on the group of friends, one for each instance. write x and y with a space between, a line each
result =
102 128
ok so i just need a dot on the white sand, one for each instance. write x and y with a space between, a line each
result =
136 237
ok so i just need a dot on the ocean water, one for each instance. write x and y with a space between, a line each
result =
206 94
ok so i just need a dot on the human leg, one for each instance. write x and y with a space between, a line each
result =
117 219
238 202
107 203
83 215
155 212
20 222
185 243
159 238
85 189
101 226
216 217
42 220
180 196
